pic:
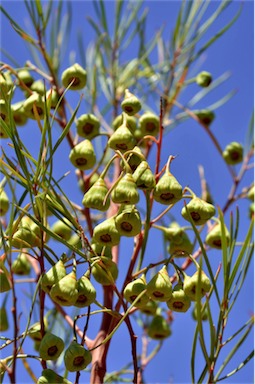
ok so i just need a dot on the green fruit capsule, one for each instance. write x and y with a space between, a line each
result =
128 221
131 104
34 331
4 324
199 210
4 116
4 202
205 116
106 233
204 79
51 347
173 232
204 314
214 237
18 113
150 308
82 156
75 75
26 235
88 126
76 357
133 289
181 248
65 291
101 250
53 95
38 87
6 84
61 229
122 139
105 271
86 292
21 266
95 196
168 190
125 192
144 177
149 124
135 159
53 276
159 328
25 76
130 122
159 288
250 194
190 285
179 302
51 377
35 101
233 153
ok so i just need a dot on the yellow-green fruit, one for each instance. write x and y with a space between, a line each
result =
128 221
150 308
53 95
135 158
159 328
65 291
106 233
181 247
105 271
125 192
233 153
204 79
18 113
51 347
86 292
38 87
4 202
4 116
54 274
82 156
168 190
61 229
34 331
5 278
144 177
196 286
122 139
100 250
250 193
88 126
4 324
205 116
21 266
75 75
149 124
204 314
130 122
214 237
199 210
51 377
134 289
34 102
76 357
179 302
6 83
131 104
25 76
95 196
159 288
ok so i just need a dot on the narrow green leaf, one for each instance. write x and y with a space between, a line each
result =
240 366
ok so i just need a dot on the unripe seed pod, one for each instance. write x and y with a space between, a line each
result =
76 357
159 328
204 314
4 324
128 221
18 113
51 347
3 134
82 156
24 237
233 153
35 331
75 240
54 97
105 271
122 139
65 291
4 116
130 122
38 87
125 192
88 126
159 288
149 124
133 289
204 79
250 194
95 196
51 377
133 159
173 232
101 250
53 276
179 302
26 77
6 84
251 210
205 116
190 285
61 229
213 238
181 248
86 292
199 210
35 100
106 233
167 190
144 177
37 345
21 266
131 104
75 74
4 202
150 308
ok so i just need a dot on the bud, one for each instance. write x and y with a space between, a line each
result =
125 192
86 292
144 177
122 139
159 328
131 104
53 276
159 287
105 271
149 124
75 75
95 196
133 289
4 202
106 233
82 156
213 238
76 357
168 190
26 77
199 210
51 347
205 116
130 122
4 324
190 285
233 153
21 266
18 113
65 291
204 79
128 221
61 229
88 126
35 100
50 377
179 302
204 314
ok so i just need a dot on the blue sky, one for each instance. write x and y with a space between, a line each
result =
233 52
